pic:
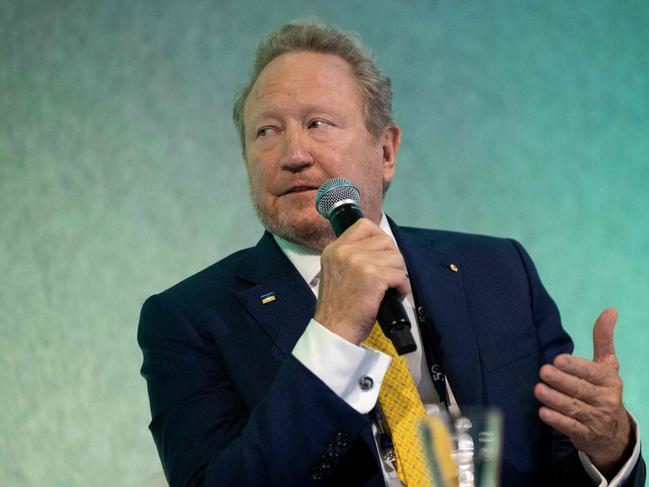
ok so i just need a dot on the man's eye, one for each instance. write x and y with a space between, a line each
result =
264 131
317 124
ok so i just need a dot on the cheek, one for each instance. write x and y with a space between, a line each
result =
261 166
260 181
369 165
255 170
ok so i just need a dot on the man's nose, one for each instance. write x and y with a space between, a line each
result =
297 150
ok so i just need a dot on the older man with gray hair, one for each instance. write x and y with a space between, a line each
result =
268 368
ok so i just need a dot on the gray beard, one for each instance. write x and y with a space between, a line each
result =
317 237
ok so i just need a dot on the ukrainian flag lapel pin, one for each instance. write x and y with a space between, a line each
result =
267 298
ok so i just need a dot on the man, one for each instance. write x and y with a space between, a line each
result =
252 381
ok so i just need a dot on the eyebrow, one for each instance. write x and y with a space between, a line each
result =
305 112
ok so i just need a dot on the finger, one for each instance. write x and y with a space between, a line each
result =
377 242
396 279
361 258
565 424
358 254
369 259
391 269
567 405
571 385
403 289
603 346
595 373
367 236
360 230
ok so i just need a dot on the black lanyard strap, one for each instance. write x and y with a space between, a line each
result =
432 356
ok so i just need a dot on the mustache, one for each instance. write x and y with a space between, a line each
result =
295 185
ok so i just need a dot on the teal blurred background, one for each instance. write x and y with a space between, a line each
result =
120 174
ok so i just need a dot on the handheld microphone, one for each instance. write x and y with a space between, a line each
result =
338 200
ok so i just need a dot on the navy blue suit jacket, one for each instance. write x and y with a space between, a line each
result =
231 406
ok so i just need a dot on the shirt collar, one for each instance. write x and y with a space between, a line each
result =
304 259
307 261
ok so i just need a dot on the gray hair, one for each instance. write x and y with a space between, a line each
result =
308 35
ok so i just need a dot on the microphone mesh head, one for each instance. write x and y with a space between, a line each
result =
334 191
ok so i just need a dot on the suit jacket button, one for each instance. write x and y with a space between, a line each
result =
341 435
342 440
333 451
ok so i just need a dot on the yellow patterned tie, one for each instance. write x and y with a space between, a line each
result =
402 410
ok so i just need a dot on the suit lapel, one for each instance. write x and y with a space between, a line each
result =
441 294
285 317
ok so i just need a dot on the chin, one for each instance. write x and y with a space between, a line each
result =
306 228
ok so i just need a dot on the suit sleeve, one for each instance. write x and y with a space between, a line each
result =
565 466
205 435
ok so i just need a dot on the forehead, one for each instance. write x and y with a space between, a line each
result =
305 79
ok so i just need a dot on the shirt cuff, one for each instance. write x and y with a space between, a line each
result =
354 373
626 469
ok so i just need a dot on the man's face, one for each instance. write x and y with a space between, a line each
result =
304 125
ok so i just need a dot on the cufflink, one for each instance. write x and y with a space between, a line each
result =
365 382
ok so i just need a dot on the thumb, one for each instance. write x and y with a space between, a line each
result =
603 347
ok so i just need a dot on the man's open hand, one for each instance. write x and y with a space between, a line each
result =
583 399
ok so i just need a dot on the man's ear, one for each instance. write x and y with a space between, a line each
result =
390 141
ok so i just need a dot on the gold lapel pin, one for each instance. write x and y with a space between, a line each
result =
453 267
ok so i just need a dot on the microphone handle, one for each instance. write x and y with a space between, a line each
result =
391 315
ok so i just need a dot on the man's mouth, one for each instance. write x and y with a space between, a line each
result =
301 189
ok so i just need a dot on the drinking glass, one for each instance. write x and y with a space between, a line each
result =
463 449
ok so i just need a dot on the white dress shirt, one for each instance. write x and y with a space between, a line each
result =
340 364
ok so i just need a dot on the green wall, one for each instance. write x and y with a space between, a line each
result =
120 174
